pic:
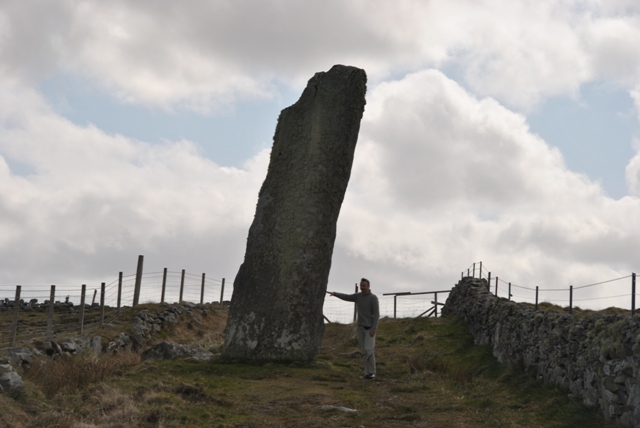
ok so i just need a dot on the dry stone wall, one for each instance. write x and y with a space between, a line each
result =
596 357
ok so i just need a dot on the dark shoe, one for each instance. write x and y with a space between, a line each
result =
369 376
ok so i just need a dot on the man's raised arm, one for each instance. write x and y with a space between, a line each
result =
347 297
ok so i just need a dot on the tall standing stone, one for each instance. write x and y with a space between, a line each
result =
276 307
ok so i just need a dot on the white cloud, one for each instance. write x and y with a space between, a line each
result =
635 95
442 178
209 54
613 44
96 197
632 171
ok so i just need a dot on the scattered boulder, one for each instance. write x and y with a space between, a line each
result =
68 345
21 357
6 368
10 382
51 348
171 351
96 344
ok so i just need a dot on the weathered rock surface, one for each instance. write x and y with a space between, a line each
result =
276 308
96 344
596 357
20 357
171 351
145 324
10 382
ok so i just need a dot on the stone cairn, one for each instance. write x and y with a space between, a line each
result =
276 308
596 357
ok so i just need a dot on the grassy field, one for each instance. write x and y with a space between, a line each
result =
429 374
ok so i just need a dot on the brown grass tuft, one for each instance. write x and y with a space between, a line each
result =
71 374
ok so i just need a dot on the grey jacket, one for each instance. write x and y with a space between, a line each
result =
367 305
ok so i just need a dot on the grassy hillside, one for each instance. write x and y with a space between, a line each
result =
429 374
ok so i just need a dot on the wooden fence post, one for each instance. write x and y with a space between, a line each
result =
52 297
436 304
467 272
202 290
489 283
536 297
222 292
136 291
395 298
571 299
474 270
496 285
461 274
181 286
509 290
82 296
14 320
119 289
633 294
102 292
480 276
164 284
93 301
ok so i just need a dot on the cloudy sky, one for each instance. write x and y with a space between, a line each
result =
505 131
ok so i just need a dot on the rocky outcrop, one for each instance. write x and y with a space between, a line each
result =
171 351
596 357
276 308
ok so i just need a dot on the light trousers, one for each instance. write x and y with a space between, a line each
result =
367 344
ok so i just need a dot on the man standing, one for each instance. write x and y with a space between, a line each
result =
368 317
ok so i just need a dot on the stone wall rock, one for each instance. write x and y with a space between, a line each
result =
171 351
596 357
276 308
20 357
10 382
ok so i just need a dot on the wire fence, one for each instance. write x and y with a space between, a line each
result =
617 292
27 321
32 321
392 305
43 311
102 304
46 311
